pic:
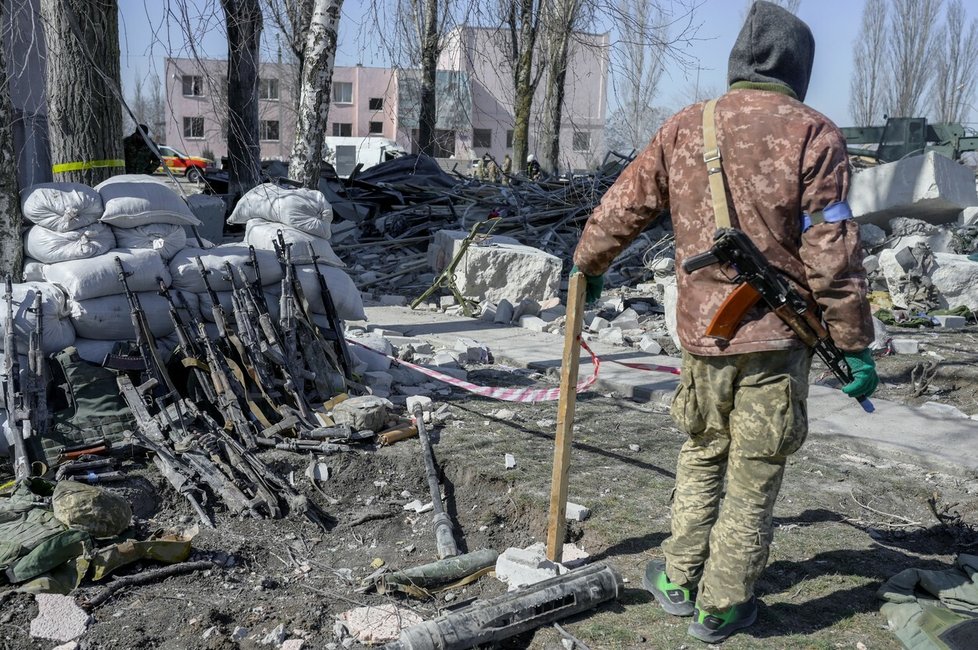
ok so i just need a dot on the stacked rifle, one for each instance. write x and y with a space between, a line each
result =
252 381
25 398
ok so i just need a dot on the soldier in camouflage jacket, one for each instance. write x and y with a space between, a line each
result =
742 403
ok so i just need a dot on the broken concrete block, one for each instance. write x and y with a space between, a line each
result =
904 346
471 351
663 265
931 187
597 324
519 567
871 263
445 359
611 336
447 301
292 644
379 624
59 618
488 312
944 410
504 312
968 216
577 512
871 235
379 381
374 357
276 637
533 323
365 412
526 308
627 320
951 321
423 401
550 315
503 270
446 243
649 345
956 280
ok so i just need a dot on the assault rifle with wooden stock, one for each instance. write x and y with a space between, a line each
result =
758 281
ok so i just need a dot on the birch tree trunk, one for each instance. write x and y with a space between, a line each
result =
427 114
560 24
244 25
11 247
317 75
82 69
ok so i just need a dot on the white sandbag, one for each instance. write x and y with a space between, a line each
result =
99 276
61 206
139 200
167 239
33 270
187 277
109 317
301 208
346 296
264 234
51 246
57 332
206 305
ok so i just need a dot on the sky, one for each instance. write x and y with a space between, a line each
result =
150 30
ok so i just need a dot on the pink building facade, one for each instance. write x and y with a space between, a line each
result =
475 103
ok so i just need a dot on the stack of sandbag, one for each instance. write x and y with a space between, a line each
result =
302 217
57 332
188 279
67 227
147 217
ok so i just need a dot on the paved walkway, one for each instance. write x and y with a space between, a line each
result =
941 442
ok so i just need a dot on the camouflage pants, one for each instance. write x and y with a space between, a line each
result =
744 414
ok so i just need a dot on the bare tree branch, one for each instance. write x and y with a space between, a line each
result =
867 84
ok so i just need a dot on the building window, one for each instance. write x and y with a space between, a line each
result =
342 129
376 128
343 92
376 103
268 130
582 141
268 89
482 138
444 143
509 139
193 85
193 128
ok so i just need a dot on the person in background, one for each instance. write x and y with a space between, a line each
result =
507 168
532 167
140 158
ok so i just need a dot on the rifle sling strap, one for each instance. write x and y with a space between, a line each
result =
714 165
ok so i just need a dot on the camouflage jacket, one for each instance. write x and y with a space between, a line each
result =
780 159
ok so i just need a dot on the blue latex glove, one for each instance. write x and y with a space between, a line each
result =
593 287
865 380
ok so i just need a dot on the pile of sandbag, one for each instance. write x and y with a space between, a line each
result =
299 218
131 218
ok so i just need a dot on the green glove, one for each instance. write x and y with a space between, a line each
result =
594 285
864 377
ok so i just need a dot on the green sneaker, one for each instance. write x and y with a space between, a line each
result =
713 628
676 600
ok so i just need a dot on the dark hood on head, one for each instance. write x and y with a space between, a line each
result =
774 46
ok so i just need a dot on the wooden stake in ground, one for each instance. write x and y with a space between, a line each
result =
557 525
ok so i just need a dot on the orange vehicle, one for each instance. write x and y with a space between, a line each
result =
180 163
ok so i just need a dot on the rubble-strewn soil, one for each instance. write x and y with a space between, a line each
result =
834 541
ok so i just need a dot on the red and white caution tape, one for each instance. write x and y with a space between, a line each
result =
525 395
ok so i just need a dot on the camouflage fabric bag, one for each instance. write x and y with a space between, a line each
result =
91 509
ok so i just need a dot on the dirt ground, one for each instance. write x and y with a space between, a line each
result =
846 521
